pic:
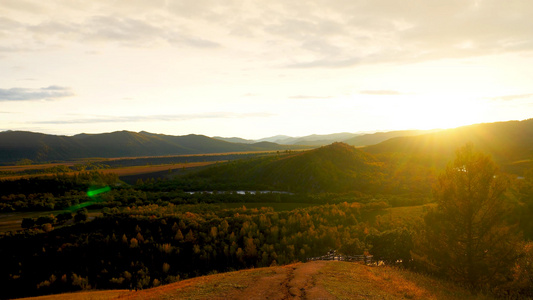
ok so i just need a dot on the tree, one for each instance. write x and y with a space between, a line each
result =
466 237
63 217
27 223
392 246
81 215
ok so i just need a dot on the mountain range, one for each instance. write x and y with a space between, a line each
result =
507 142
354 139
38 147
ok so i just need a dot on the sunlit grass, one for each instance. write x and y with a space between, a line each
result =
354 281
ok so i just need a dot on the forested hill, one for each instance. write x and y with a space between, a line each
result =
334 168
506 142
38 147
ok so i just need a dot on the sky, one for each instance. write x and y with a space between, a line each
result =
254 69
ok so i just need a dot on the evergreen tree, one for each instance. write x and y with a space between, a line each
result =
466 237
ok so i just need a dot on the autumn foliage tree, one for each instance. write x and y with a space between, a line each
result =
466 237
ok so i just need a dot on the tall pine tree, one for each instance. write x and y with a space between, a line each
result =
466 236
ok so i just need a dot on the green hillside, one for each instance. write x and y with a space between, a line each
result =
336 168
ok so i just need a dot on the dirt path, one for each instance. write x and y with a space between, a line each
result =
289 282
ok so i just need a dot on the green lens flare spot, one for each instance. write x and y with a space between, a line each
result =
98 191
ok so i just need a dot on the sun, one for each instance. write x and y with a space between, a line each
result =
442 112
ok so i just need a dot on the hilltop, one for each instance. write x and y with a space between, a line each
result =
336 167
312 280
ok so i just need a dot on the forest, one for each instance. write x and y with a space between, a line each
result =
463 221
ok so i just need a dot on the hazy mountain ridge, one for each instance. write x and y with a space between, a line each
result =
234 140
505 141
378 137
39 147
354 139
310 140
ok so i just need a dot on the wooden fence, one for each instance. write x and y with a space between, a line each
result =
333 255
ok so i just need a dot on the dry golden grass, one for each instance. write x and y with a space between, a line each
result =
313 280
353 281
95 295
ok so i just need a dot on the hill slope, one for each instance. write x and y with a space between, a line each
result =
378 137
312 280
505 141
18 145
336 168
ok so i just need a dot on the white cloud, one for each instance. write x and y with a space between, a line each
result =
52 92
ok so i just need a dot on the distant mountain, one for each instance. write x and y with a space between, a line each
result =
38 147
17 145
506 142
275 139
334 168
311 140
378 137
354 139
235 140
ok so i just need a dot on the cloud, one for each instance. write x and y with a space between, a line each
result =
193 42
152 118
137 32
381 92
129 30
325 63
52 92
309 97
307 34
511 97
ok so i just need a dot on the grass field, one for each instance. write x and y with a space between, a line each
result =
312 280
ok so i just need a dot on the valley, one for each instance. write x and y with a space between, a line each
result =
242 224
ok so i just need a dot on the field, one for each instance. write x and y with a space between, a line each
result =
34 167
312 280
124 171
